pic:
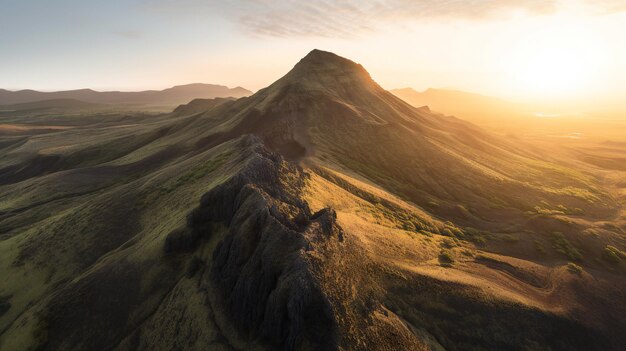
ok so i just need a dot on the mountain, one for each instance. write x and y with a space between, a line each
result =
169 97
320 213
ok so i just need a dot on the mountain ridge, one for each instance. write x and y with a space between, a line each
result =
171 96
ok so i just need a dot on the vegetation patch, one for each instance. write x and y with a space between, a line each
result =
468 252
448 243
476 236
539 247
401 218
574 268
199 172
452 231
545 208
563 246
446 258
580 193
612 227
614 255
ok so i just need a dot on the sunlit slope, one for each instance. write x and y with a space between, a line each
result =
443 285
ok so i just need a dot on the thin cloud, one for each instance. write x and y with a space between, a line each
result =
349 18
346 18
608 7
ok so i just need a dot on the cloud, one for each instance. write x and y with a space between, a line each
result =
608 7
345 18
348 18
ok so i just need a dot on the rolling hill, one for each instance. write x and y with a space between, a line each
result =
62 104
174 96
320 213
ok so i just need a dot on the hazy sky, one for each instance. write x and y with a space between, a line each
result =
519 49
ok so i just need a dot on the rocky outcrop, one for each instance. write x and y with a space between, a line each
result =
261 269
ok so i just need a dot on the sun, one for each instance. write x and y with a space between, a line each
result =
558 60
553 69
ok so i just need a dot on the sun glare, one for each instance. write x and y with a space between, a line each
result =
556 60
553 69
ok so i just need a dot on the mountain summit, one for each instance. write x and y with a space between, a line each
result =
325 71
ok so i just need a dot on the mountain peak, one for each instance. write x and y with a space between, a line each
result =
321 54
326 71
324 61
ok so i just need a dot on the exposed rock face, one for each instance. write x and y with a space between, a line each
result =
261 270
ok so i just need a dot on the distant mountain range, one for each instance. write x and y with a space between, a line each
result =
174 96
473 107
61 104
516 118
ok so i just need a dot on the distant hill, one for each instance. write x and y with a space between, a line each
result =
174 96
200 105
473 107
64 104
512 118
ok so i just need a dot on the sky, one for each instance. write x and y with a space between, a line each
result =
522 50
